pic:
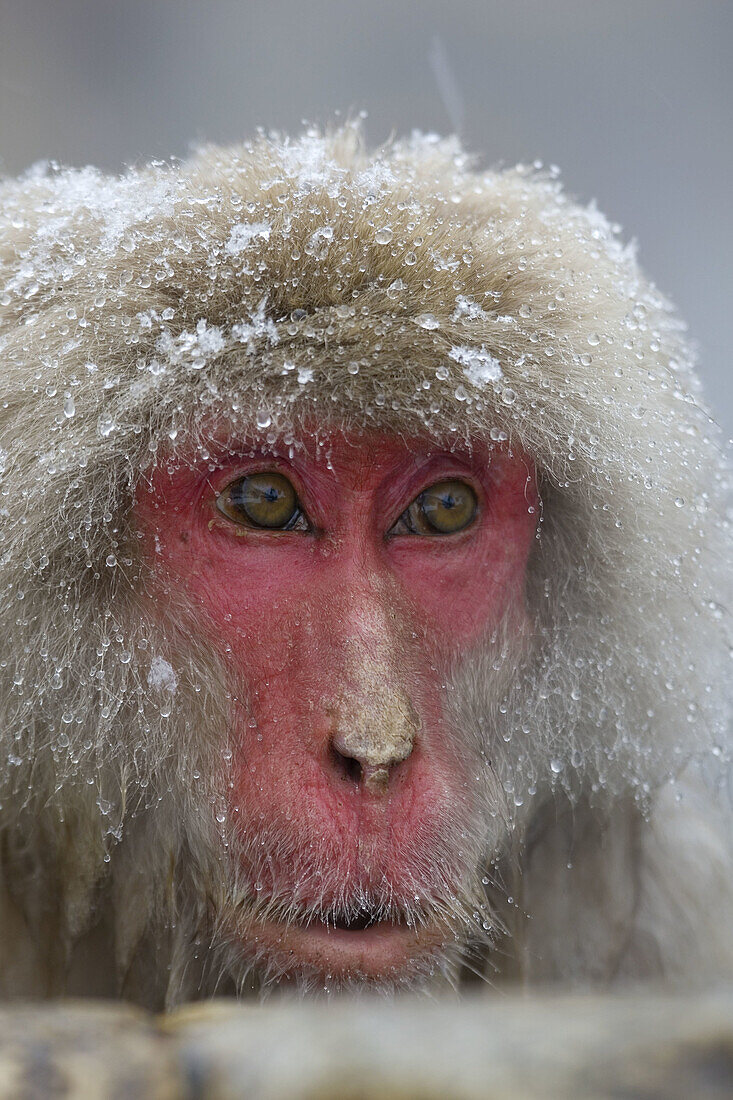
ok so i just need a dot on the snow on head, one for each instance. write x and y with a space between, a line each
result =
244 233
479 365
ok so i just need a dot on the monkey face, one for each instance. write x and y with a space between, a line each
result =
337 581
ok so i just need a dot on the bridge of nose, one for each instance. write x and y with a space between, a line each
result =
371 720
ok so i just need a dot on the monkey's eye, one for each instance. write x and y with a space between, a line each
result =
266 500
441 509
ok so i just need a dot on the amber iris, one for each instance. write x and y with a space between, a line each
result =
441 509
267 500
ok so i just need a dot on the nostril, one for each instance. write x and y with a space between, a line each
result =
347 766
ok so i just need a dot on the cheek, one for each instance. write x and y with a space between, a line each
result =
461 600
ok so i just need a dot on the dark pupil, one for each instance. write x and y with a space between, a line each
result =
448 501
271 494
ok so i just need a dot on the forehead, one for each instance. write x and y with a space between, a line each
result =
344 456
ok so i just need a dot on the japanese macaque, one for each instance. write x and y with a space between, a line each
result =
365 584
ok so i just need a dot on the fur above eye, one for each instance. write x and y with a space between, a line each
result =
266 501
442 509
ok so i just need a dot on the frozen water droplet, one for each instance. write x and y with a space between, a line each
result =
69 406
594 339
427 320
479 365
556 766
111 560
161 675
410 259
105 425
263 420
396 287
244 233
319 242
383 235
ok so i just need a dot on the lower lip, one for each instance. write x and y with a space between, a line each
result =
381 952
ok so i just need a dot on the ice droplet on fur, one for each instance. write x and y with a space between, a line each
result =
480 367
427 320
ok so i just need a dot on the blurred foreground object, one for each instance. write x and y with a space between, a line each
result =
535 1049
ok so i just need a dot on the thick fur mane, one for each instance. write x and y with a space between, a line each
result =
272 289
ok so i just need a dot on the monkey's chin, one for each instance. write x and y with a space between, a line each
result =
384 952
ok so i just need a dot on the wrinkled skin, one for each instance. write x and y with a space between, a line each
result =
344 766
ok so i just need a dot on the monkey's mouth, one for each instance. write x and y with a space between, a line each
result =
364 944
365 918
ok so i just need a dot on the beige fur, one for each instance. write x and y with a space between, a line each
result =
287 284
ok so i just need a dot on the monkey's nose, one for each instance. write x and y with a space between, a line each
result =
374 777
370 739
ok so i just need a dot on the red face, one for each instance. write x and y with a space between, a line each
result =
338 587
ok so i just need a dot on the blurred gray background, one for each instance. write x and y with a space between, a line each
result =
632 98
